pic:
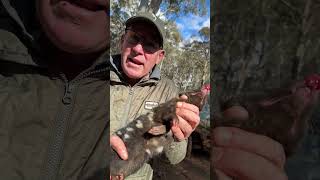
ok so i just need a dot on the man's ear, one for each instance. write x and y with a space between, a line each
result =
121 41
161 55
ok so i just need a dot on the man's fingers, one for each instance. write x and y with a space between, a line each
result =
177 133
236 112
184 126
118 145
188 120
264 146
244 165
188 106
183 97
190 116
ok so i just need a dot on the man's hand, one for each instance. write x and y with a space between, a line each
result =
188 120
242 155
118 145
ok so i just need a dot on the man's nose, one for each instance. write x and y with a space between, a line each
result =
138 48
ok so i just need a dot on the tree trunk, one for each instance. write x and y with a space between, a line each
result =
144 5
152 6
155 6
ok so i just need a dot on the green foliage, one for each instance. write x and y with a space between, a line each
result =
205 34
185 6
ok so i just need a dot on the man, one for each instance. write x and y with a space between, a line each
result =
53 89
136 87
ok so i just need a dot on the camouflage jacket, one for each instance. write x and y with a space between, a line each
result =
128 102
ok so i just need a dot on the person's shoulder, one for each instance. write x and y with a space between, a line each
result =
167 82
167 86
13 50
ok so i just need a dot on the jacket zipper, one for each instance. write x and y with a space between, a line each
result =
128 106
55 149
57 139
127 109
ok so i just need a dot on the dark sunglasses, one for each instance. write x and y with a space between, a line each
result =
148 45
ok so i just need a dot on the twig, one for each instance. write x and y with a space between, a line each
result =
290 6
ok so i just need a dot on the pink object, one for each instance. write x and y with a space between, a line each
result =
313 81
206 88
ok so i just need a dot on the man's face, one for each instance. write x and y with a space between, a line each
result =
76 26
140 50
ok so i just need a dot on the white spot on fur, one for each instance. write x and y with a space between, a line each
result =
159 149
119 133
155 142
139 124
148 151
126 136
129 129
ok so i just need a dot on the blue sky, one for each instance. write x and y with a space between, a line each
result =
190 24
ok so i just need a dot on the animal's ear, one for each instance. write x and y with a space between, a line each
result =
158 130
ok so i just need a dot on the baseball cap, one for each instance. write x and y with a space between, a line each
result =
152 19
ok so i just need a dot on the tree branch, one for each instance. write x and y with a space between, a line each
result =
290 6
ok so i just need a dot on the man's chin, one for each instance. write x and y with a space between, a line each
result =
68 38
77 43
132 74
70 35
